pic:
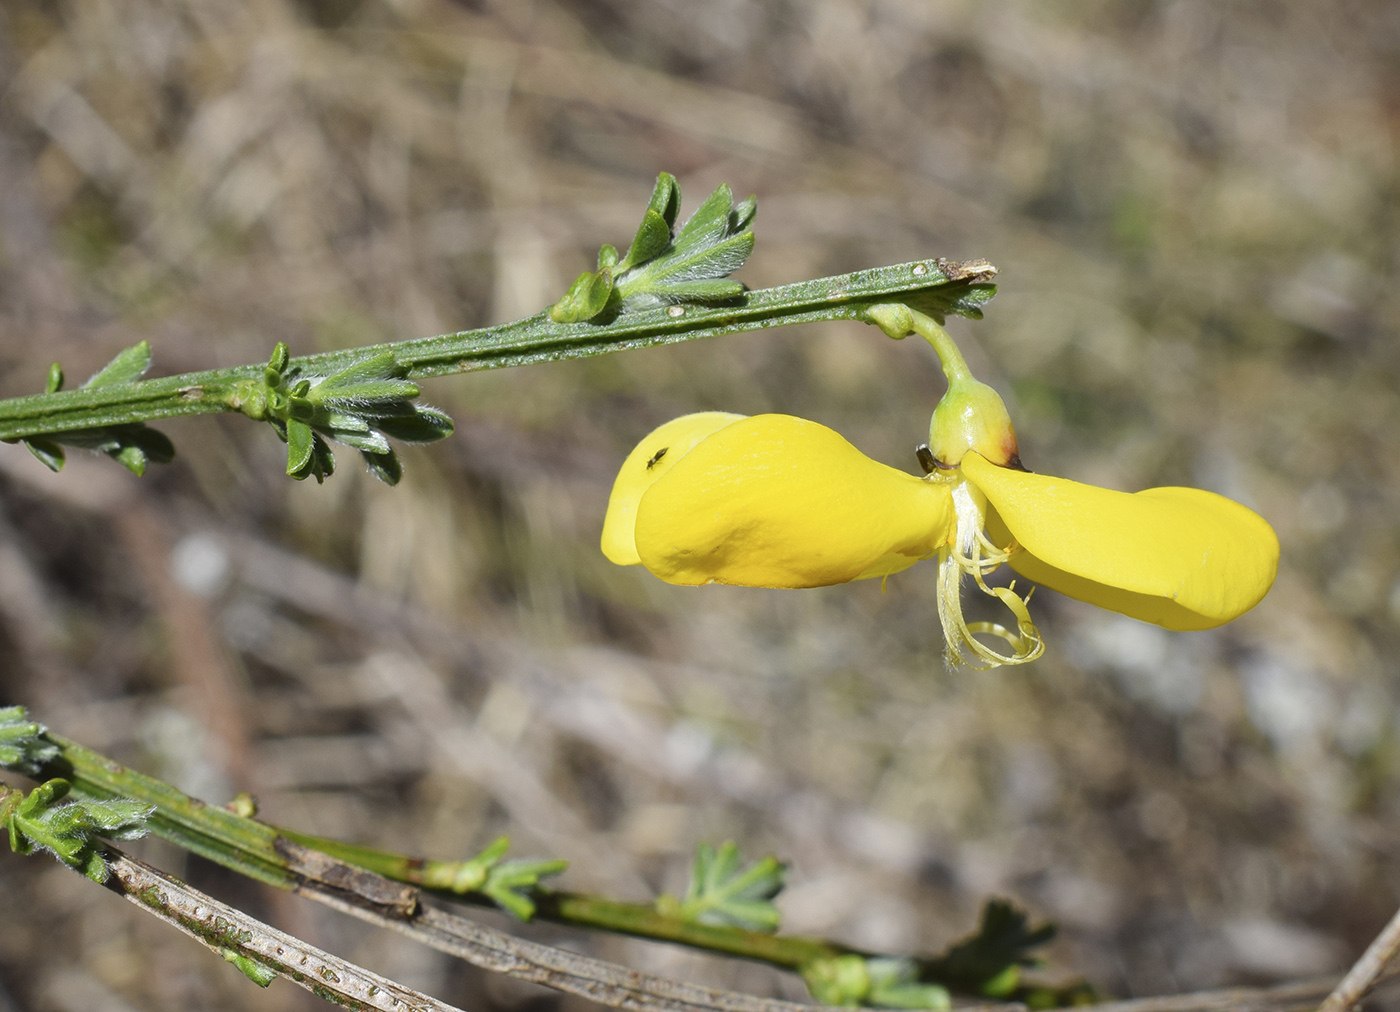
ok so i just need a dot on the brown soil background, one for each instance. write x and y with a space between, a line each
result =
1195 207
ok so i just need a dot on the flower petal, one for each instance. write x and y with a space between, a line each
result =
1178 557
656 454
777 501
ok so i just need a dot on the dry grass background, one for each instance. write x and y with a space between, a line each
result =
1195 206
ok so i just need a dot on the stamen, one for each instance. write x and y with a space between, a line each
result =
973 553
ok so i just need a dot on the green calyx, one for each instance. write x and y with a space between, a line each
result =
659 268
361 405
970 415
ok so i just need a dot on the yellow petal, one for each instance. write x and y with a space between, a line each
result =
776 501
1178 557
653 457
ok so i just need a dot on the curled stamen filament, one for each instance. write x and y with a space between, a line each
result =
973 553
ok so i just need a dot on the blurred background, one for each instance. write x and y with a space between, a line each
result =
1195 208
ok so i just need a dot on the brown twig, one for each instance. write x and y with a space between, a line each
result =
1366 971
230 932
1296 996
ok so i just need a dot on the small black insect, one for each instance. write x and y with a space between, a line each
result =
926 458
655 457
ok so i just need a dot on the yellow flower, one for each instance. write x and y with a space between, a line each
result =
777 501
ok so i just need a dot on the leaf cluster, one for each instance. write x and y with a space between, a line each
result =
665 267
506 883
362 405
23 747
131 444
70 831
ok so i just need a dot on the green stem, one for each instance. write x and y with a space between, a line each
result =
586 911
937 287
245 845
250 848
267 853
949 355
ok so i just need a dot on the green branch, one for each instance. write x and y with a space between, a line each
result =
987 962
937 287
672 285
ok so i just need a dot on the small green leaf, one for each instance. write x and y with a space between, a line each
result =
129 365
607 256
277 362
382 366
652 238
712 290
363 394
709 223
54 383
299 449
425 425
133 458
586 298
666 198
47 451
743 214
338 421
367 442
322 459
300 408
259 973
384 466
